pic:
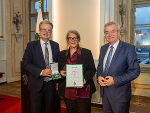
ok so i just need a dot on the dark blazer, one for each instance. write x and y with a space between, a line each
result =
33 63
124 68
89 70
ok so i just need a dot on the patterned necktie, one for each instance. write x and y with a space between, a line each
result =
107 64
46 56
47 62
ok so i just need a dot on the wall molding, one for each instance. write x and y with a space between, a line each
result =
140 86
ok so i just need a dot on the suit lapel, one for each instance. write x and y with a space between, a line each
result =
53 50
103 53
79 59
116 54
41 57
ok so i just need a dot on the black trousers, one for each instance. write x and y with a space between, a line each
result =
45 101
80 105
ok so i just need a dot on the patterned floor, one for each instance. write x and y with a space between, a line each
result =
139 104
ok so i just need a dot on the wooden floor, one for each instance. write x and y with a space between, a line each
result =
139 104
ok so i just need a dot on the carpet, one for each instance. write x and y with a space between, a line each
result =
63 110
13 105
10 104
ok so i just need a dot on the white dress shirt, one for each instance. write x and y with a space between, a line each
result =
49 50
114 49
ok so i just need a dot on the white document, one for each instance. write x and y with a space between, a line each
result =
55 73
74 75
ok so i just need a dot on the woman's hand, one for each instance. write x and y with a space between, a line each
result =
63 73
83 82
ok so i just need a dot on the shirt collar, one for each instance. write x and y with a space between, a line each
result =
115 45
43 43
78 51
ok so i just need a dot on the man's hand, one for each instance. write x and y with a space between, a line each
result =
109 80
47 72
63 73
102 81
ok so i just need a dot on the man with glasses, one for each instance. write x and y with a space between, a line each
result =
118 66
36 61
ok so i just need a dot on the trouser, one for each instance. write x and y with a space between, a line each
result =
46 100
80 105
111 105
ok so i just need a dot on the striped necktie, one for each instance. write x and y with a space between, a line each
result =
107 64
47 62
46 55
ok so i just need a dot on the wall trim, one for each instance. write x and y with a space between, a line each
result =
140 86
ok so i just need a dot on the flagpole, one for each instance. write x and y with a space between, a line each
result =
41 4
39 19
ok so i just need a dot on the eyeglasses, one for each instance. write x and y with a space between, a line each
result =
73 38
46 30
112 32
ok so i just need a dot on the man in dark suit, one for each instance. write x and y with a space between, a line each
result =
118 66
36 61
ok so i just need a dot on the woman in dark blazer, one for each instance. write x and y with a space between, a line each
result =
78 100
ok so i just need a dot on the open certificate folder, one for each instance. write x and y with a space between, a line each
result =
74 75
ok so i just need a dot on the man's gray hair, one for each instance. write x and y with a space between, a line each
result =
45 22
112 23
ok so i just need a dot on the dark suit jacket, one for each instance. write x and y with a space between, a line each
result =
33 62
89 70
124 68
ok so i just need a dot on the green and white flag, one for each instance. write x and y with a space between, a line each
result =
39 19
